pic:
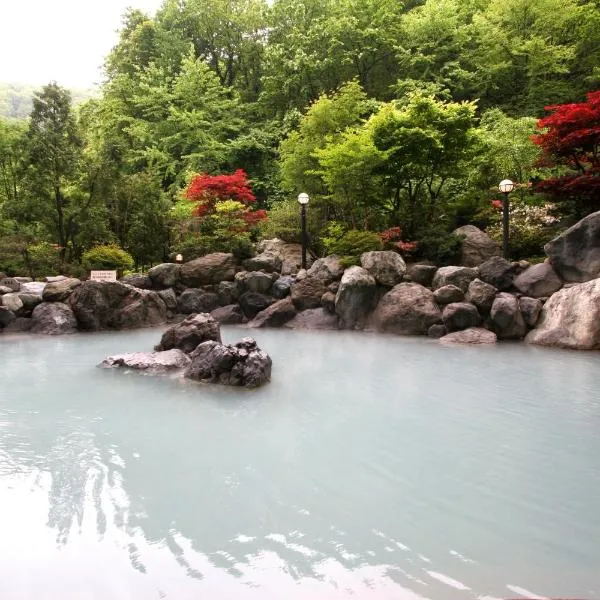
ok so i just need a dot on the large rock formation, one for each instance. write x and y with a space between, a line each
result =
407 309
570 319
289 254
12 302
189 333
232 314
197 301
209 269
575 254
101 305
506 317
151 363
165 275
354 298
267 261
477 246
538 281
386 267
243 364
276 315
307 293
59 291
461 277
53 318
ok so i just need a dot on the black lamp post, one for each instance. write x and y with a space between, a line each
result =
506 187
303 200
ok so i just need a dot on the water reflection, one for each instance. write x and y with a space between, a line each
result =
377 485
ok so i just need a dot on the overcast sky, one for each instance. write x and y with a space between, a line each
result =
61 40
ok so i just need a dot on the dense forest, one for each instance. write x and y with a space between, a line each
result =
398 118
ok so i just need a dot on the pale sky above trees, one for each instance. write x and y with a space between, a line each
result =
62 40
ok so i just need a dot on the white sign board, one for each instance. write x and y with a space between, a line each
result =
103 275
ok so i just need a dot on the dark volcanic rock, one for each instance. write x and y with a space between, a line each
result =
276 315
575 254
232 314
506 317
447 294
165 275
308 292
189 333
499 272
169 298
101 305
197 301
152 363
282 287
19 325
422 274
482 295
461 277
530 309
53 318
436 331
140 281
210 269
460 315
252 303
243 364
6 316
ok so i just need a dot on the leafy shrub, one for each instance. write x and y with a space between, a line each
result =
43 258
438 246
195 245
349 244
109 257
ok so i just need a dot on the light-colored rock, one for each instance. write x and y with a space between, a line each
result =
290 254
407 309
326 269
570 319
54 278
53 318
59 291
477 246
447 294
482 295
151 363
460 315
538 281
461 277
267 261
12 283
314 318
33 287
165 275
506 317
387 267
186 335
209 269
12 302
354 298
276 315
575 254
473 335
421 273
5 290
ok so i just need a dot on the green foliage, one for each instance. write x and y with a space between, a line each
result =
435 244
107 257
349 244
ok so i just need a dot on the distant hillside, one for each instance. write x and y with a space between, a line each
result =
16 99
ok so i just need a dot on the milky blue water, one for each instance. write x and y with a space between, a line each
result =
371 467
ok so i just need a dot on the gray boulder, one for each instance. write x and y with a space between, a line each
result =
254 281
326 269
30 301
19 325
35 288
575 254
354 299
473 335
460 315
12 302
12 283
151 363
307 293
169 298
506 317
570 319
282 287
436 331
137 280
477 246
229 315
53 318
59 291
386 267
407 309
422 274
314 318
538 281
290 254
228 293
252 303
192 331
197 301
243 364
6 316
267 261
54 278
482 295
99 305
328 302
165 275
209 269
276 315
530 309
461 277
447 294
5 290
499 272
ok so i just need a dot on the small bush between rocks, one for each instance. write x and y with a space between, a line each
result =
109 257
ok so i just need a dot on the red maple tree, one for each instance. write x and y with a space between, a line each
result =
206 190
571 139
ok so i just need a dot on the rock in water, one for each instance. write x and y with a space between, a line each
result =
53 318
506 317
186 335
153 363
243 364
355 296
276 315
473 335
570 319
575 254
